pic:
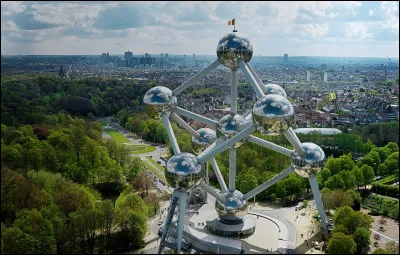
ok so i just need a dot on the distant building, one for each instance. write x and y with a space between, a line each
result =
308 75
285 58
128 58
325 77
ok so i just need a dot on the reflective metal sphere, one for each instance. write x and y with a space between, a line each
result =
183 170
207 137
275 89
311 162
229 124
232 47
157 100
274 113
234 209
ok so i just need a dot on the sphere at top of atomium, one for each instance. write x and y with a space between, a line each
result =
234 208
229 124
159 99
311 162
207 137
183 170
273 113
232 47
275 89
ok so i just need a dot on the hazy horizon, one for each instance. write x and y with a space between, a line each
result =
314 29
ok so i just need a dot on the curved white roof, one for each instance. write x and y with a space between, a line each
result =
323 131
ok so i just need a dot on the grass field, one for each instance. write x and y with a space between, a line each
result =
117 136
138 149
155 171
160 167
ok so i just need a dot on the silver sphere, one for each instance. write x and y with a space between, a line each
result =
157 100
229 124
207 137
273 113
311 162
275 89
234 209
183 170
232 47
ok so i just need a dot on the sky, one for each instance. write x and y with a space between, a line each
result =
304 28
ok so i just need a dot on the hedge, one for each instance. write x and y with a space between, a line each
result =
386 190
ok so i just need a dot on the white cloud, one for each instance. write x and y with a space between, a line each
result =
391 11
371 12
357 30
316 30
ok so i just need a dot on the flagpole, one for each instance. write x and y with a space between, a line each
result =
234 25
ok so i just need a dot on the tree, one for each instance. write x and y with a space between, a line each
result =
131 216
143 182
392 247
341 244
368 174
351 220
362 238
15 241
305 204
380 251
134 166
105 219
39 229
336 198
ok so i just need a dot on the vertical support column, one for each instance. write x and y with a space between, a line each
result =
181 215
232 168
234 85
318 201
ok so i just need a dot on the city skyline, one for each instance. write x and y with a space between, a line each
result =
327 29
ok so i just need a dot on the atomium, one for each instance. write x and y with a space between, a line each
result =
310 162
234 208
159 99
183 171
273 113
275 89
232 47
206 137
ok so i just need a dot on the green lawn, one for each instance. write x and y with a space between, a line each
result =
155 163
139 149
117 136
155 171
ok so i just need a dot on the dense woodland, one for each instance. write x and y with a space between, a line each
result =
66 189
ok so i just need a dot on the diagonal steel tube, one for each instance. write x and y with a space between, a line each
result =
170 133
195 78
217 142
220 148
268 183
250 78
270 145
294 142
318 201
183 123
218 174
196 116
212 191
258 80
